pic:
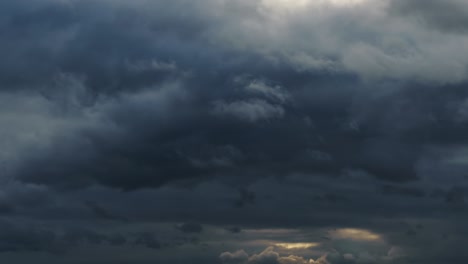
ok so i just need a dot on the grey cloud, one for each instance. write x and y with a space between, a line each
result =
190 228
6 208
148 240
447 16
80 236
251 111
117 240
246 198
405 191
234 258
273 92
14 238
455 196
124 100
102 212
270 256
306 110
234 230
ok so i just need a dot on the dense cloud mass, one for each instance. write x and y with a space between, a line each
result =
270 256
233 131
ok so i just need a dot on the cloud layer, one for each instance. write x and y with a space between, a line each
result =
158 126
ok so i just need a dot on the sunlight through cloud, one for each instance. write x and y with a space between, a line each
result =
297 245
355 234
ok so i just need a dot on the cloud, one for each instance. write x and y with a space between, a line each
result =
234 258
146 107
148 240
234 230
452 19
190 228
102 212
455 196
273 92
246 198
405 191
251 111
268 256
117 240
311 109
14 238
79 236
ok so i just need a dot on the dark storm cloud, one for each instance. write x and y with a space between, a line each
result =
234 230
148 240
102 212
300 117
117 240
185 145
246 198
78 236
270 256
446 16
190 228
456 196
405 191
141 103
14 238
196 144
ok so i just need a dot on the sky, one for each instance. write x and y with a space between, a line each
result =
233 131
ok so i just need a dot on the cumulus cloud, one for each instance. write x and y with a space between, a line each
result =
248 86
268 256
300 113
234 258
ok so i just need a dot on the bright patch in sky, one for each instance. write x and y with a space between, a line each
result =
302 3
297 245
354 234
346 2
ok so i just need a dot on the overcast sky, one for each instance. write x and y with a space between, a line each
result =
233 131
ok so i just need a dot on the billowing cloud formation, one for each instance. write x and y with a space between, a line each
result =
452 19
232 258
268 256
186 95
137 116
